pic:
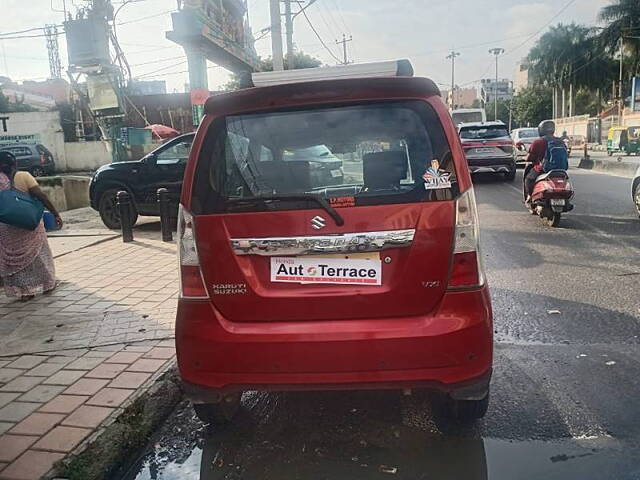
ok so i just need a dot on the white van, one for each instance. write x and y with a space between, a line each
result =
468 115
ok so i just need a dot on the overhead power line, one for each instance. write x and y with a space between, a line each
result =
319 37
567 5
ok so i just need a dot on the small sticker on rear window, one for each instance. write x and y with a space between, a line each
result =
434 178
341 202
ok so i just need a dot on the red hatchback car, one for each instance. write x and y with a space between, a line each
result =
292 280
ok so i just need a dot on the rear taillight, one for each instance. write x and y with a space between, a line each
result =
43 159
466 269
191 283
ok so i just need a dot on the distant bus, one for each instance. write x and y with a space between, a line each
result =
468 115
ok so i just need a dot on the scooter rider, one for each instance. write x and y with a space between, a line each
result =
537 152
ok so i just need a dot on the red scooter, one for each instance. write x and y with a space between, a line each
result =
552 194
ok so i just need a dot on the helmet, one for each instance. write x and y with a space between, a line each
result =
546 127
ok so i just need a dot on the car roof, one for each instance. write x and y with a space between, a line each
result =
10 145
482 124
319 92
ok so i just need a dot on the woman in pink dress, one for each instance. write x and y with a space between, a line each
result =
26 263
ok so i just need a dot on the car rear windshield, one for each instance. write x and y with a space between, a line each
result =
359 154
533 133
483 132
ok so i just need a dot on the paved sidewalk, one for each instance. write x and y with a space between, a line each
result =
70 361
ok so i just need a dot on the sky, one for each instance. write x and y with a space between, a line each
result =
422 30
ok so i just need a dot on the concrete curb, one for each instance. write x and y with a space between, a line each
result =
108 452
613 166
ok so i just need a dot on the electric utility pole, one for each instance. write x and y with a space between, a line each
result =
289 26
344 42
276 36
452 56
497 52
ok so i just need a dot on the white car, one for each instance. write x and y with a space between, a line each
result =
523 138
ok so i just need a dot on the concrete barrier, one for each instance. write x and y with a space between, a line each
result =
66 193
613 166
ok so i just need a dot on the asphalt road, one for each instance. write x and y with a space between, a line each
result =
564 393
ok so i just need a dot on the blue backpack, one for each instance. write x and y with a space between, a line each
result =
557 157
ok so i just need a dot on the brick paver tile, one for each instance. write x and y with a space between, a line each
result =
106 370
8 374
97 354
11 446
86 386
85 363
168 343
41 393
110 397
64 377
148 365
62 360
129 380
62 439
4 426
37 424
21 384
31 465
161 353
87 417
44 370
124 357
6 397
64 404
16 411
27 361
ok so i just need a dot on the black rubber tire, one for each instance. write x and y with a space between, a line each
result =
511 176
636 197
109 210
552 220
218 413
38 172
467 411
609 152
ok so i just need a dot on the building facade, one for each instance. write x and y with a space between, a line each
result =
488 89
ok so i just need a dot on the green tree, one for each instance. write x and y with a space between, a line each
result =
300 60
568 54
532 105
623 21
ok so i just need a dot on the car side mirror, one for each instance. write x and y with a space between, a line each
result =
149 159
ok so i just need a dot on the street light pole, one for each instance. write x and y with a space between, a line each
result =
497 52
452 56
620 99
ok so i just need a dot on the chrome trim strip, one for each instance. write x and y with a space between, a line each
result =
342 243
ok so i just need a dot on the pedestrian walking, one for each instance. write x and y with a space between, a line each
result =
26 262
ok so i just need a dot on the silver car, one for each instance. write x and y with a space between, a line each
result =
523 138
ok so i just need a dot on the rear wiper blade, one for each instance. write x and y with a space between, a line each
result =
296 197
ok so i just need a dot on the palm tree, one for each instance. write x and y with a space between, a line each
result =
623 22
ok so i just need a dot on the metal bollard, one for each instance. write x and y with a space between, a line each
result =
165 220
123 201
586 153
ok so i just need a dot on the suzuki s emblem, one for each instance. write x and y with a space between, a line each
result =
318 222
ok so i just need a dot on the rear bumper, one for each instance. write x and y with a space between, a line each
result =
492 165
450 350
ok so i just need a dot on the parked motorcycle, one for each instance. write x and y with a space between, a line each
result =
552 194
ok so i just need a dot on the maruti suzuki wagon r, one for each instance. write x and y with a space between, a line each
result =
366 278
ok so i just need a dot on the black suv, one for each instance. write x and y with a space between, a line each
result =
33 158
164 167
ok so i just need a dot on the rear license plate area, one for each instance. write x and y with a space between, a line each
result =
327 270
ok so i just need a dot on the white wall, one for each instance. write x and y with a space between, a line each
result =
572 125
41 127
86 156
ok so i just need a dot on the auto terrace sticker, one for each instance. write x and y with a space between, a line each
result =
353 271
434 178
